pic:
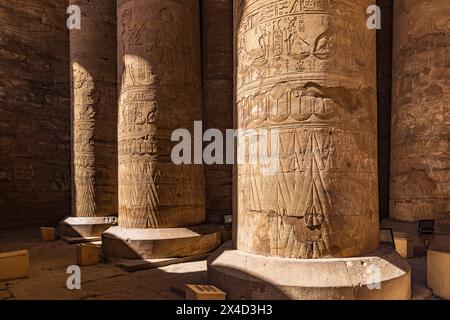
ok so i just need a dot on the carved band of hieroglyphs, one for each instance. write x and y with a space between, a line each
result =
290 37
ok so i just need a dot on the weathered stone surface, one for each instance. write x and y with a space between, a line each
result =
34 113
306 72
217 51
93 59
307 69
48 277
84 228
420 160
126 243
159 65
246 276
135 265
438 277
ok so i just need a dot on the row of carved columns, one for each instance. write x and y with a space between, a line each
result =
303 69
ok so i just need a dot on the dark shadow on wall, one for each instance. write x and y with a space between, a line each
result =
384 78
48 266
34 113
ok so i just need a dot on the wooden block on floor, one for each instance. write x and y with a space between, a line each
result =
14 265
88 254
204 292
404 246
48 234
438 273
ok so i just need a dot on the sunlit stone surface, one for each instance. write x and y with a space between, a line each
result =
307 69
159 64
94 109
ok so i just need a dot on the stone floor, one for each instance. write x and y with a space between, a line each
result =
49 262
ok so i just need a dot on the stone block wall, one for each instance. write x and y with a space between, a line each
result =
34 112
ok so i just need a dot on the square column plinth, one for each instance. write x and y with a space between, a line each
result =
84 229
126 243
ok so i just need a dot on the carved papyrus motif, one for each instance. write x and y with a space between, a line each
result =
159 67
84 104
307 69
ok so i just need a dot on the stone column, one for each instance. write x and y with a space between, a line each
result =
306 84
94 121
161 204
217 46
420 155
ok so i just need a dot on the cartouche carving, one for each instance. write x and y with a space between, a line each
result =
420 171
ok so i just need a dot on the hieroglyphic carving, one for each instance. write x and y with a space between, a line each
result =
94 115
420 170
311 37
84 106
137 129
307 69
160 92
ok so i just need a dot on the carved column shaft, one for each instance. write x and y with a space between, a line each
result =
307 70
94 105
217 47
160 80
420 154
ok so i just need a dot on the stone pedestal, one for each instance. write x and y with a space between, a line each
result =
217 51
307 202
84 229
247 276
160 202
420 160
94 120
162 243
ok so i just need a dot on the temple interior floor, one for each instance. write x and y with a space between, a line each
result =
49 262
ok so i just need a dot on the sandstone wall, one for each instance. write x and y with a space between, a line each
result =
309 71
34 112
420 153
160 91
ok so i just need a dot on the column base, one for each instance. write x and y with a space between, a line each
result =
252 277
123 243
84 229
